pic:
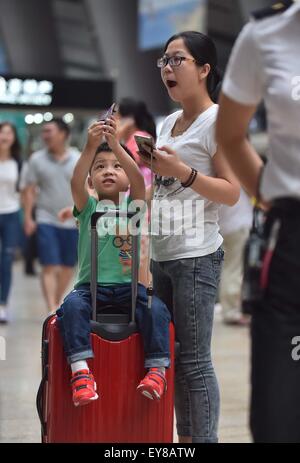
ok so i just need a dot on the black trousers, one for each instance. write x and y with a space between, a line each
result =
275 375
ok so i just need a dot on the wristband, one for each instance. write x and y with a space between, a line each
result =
191 179
188 180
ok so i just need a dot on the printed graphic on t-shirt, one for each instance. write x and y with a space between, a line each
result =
124 244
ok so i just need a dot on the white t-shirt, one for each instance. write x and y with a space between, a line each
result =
237 217
185 224
265 64
9 197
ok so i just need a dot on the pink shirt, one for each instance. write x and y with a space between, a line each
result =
132 146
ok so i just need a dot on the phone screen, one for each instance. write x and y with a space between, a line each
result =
109 113
145 145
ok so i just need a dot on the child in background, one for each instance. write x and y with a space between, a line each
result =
134 118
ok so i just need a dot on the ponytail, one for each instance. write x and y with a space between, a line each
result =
214 83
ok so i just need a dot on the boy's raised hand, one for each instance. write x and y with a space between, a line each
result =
95 135
110 133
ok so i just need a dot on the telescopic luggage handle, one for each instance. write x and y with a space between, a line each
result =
94 257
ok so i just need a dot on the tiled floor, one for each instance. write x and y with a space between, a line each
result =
20 373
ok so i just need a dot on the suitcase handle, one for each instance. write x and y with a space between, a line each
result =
40 393
94 258
40 401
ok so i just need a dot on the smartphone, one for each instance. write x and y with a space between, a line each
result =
109 113
145 145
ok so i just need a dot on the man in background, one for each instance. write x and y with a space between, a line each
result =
48 185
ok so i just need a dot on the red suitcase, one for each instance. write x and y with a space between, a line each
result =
121 414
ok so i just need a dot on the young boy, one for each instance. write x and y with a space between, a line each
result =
111 169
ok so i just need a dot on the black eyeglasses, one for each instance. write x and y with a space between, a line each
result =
118 241
173 61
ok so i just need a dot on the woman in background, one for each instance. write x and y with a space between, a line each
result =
10 162
135 119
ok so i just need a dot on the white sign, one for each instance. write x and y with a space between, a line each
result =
29 92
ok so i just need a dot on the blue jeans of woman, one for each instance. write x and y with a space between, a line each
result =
189 287
75 313
9 239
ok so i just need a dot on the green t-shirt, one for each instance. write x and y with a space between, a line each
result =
114 250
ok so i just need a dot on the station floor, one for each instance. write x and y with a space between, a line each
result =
20 372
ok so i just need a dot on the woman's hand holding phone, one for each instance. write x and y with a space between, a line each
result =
165 162
145 145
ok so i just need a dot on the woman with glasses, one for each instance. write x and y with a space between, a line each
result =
192 179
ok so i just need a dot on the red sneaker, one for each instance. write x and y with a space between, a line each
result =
153 385
83 388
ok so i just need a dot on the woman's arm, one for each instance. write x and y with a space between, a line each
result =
125 128
223 189
232 126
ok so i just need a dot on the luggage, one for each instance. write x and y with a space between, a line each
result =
121 414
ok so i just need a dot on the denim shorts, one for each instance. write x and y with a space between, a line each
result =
188 287
57 246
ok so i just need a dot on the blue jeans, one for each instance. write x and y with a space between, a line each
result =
9 239
74 322
189 287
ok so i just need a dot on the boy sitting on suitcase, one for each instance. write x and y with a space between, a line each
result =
110 169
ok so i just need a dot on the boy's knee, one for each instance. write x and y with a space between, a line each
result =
73 304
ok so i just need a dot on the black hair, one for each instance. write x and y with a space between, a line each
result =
61 124
203 50
104 147
129 107
15 149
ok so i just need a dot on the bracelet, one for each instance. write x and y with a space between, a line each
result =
184 184
191 179
194 177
